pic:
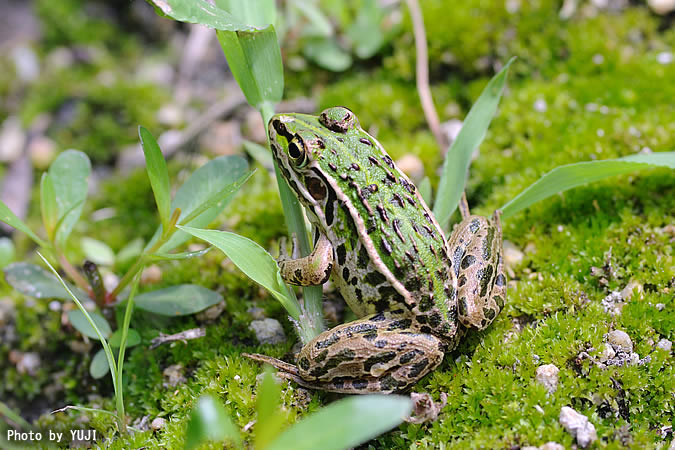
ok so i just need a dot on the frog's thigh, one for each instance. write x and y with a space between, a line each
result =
312 270
378 353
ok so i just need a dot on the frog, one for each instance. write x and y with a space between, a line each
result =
415 293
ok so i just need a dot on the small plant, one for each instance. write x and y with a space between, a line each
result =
63 190
343 424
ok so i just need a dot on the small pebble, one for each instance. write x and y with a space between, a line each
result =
151 274
256 313
620 341
42 151
547 376
540 105
174 375
158 423
12 139
661 7
512 254
578 426
268 331
211 313
607 353
627 292
552 446
664 58
665 344
660 306
412 166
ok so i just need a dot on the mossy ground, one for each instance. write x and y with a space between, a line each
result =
596 107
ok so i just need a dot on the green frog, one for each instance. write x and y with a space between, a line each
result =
415 292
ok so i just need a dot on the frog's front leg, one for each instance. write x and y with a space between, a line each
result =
476 252
383 353
312 270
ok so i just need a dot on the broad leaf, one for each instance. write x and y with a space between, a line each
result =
201 12
566 177
35 281
214 177
209 422
98 368
7 216
97 251
79 321
255 61
7 252
253 260
179 300
133 338
345 423
158 174
256 13
458 158
326 53
69 173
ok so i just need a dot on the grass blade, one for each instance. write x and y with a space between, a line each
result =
572 175
158 174
458 158
7 216
345 423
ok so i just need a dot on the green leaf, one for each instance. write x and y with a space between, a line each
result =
98 368
366 32
7 216
202 12
7 252
130 251
177 256
255 61
69 173
321 25
48 206
328 54
133 338
270 420
79 321
158 174
256 13
97 251
210 180
424 187
217 198
458 158
209 422
345 423
180 300
260 153
253 260
34 281
572 175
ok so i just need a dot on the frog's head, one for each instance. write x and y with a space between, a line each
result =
298 143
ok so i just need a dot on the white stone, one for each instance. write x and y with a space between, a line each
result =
665 344
158 423
268 331
552 446
607 353
661 7
12 139
620 341
578 426
540 105
664 58
547 376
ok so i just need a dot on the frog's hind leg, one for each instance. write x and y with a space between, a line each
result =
383 352
282 366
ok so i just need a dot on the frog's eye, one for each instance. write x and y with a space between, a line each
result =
296 151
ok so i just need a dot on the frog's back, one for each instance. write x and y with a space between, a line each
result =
389 250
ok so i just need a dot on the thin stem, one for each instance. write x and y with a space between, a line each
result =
120 357
422 74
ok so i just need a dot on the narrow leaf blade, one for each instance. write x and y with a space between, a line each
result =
572 175
7 216
69 173
458 158
48 206
158 174
345 423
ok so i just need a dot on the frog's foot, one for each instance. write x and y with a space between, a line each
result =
282 366
481 283
312 270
